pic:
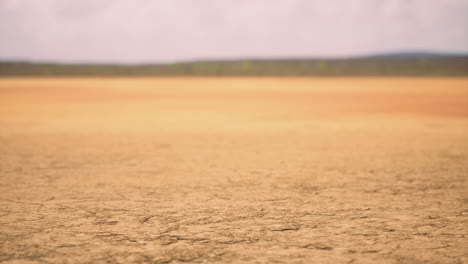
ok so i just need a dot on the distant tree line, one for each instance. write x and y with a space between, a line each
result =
372 66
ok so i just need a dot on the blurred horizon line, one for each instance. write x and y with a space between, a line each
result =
385 54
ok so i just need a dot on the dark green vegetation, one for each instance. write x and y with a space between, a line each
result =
369 66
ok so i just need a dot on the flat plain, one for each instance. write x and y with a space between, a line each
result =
233 170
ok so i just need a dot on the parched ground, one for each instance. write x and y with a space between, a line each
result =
206 170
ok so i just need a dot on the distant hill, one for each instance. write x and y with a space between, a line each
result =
413 54
392 64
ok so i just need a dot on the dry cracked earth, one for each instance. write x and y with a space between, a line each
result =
234 170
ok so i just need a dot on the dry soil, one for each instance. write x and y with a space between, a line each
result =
234 170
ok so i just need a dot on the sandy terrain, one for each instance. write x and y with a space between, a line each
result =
234 170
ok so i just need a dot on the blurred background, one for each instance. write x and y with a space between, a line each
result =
256 37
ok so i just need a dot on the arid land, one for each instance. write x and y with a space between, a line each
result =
233 170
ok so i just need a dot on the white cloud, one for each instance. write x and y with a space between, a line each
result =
157 30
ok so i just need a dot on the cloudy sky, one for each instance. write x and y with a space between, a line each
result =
133 31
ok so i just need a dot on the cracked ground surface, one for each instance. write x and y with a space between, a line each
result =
234 170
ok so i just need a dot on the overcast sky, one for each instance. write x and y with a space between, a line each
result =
133 31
